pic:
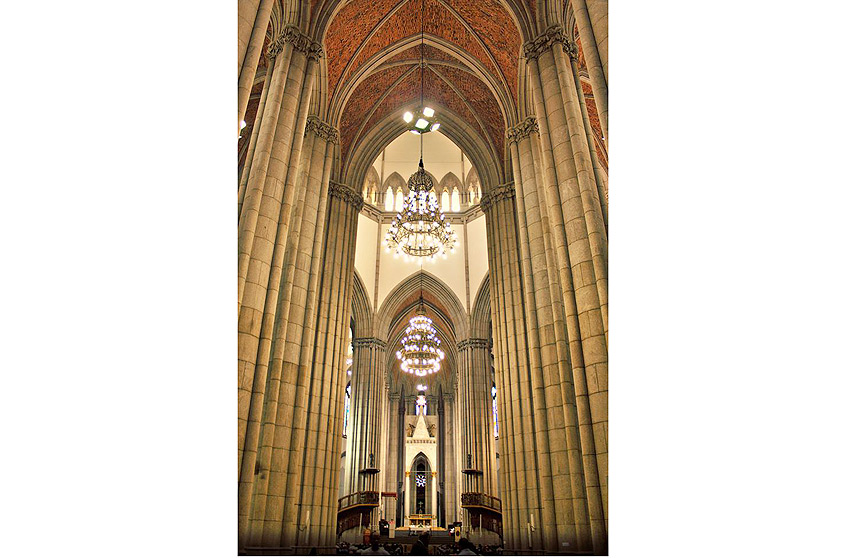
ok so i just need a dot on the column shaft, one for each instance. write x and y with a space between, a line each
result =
597 65
261 108
248 62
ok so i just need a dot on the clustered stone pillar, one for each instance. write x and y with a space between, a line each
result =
548 252
253 20
271 53
521 407
325 399
476 423
297 239
363 449
592 22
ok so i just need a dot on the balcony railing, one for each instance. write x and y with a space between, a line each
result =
364 498
471 499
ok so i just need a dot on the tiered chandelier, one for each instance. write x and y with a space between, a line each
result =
421 353
419 229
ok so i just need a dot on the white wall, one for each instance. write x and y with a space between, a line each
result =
477 254
440 156
451 271
365 260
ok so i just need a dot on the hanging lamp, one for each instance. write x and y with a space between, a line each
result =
421 352
423 119
419 229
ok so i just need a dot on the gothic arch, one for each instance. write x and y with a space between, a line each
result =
436 291
481 312
489 167
449 181
361 311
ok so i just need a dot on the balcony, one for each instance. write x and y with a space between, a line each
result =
366 499
480 500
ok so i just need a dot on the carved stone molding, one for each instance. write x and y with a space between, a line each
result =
344 193
369 342
473 342
299 41
316 125
543 42
502 192
522 130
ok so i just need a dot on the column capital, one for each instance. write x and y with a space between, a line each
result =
299 41
369 342
344 193
522 130
501 192
473 343
543 42
316 125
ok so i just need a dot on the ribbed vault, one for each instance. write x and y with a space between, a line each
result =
372 68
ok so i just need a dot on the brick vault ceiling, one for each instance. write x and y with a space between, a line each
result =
363 41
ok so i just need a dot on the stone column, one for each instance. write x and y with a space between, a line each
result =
477 432
246 13
406 483
251 56
599 174
275 162
241 189
577 243
321 405
560 456
592 22
271 262
294 301
435 496
363 448
515 389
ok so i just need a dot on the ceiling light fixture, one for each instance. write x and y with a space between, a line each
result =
423 116
419 229
420 353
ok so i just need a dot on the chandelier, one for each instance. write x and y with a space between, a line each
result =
419 229
421 353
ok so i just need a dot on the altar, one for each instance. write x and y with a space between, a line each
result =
421 521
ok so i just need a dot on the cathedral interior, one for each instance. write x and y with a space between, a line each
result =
486 121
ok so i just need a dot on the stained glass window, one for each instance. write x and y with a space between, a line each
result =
347 409
421 405
494 410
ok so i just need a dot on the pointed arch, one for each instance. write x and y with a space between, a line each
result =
361 311
481 311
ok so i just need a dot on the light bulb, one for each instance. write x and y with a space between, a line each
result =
421 124
407 117
242 124
428 112
435 127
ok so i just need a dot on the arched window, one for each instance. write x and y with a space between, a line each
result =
389 204
494 410
454 201
421 405
445 201
347 410
399 201
471 196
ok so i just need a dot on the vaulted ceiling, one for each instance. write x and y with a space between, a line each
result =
474 75
373 54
